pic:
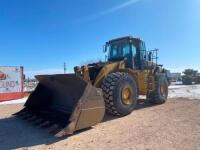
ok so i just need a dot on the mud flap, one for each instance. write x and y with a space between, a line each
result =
65 102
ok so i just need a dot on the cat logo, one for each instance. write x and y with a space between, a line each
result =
2 76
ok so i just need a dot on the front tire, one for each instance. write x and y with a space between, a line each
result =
159 96
120 93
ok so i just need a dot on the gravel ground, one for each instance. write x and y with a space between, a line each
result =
173 125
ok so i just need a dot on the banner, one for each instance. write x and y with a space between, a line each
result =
11 83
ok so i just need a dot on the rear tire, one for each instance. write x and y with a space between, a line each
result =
120 93
159 96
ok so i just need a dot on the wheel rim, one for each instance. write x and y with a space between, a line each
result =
162 90
127 96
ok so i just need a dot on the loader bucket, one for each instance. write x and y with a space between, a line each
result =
63 103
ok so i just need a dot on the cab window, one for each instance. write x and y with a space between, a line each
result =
133 48
142 51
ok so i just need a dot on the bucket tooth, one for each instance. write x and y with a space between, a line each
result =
43 124
21 115
38 121
27 116
53 128
32 118
20 112
62 133
56 131
24 116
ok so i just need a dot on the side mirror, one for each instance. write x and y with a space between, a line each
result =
150 56
104 48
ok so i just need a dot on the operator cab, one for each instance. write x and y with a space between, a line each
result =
132 50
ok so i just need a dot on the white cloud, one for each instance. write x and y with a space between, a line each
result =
108 11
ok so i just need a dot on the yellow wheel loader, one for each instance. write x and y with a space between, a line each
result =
65 103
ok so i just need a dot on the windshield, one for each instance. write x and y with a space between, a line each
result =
118 51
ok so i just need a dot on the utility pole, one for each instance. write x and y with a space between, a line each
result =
65 68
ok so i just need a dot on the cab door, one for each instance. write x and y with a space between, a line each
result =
142 55
134 56
128 56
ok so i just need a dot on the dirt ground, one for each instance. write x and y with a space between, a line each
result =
173 125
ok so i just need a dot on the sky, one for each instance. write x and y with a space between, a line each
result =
43 34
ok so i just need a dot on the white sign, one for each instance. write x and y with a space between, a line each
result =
10 79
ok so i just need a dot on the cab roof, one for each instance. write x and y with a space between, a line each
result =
124 38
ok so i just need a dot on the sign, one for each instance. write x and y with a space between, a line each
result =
11 83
